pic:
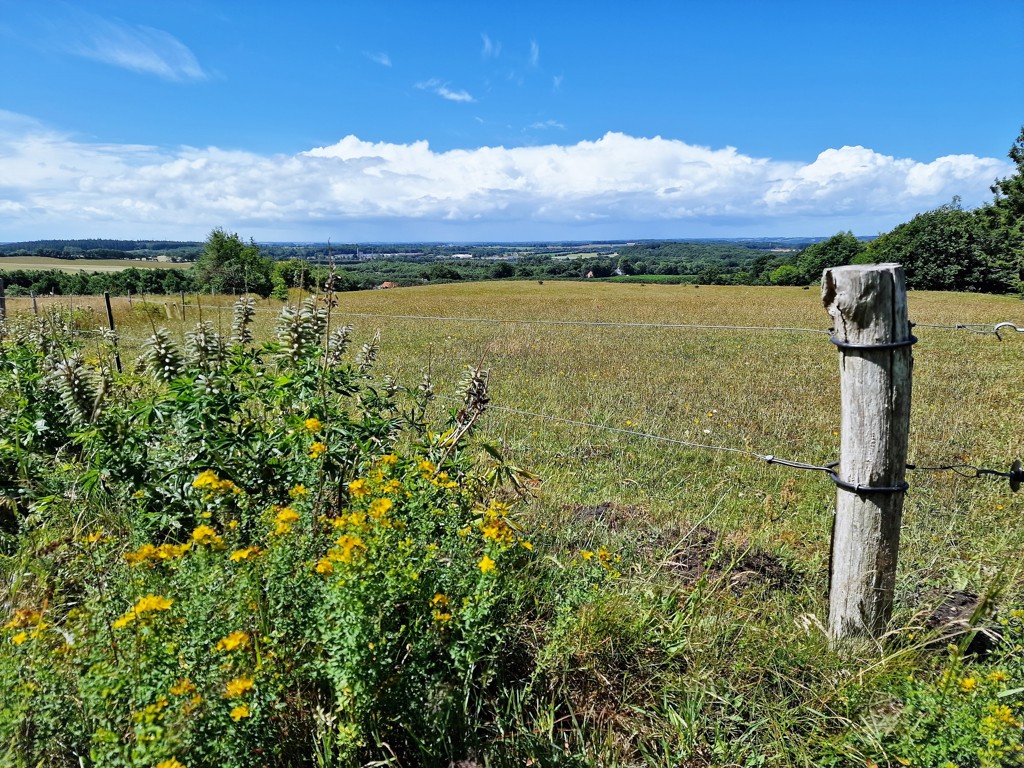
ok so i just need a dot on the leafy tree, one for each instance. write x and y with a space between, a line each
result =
227 265
837 251
947 249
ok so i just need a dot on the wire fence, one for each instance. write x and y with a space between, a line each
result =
179 306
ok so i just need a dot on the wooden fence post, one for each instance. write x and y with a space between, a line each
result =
3 301
183 306
110 323
868 306
35 305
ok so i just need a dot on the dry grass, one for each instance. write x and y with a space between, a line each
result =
83 265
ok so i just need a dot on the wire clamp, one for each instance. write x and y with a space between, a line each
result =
845 345
862 490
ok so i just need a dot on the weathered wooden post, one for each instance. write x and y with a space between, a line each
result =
35 305
3 301
183 306
113 330
868 306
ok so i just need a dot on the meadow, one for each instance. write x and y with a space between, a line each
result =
83 265
705 646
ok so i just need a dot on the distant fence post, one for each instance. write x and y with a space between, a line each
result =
3 301
868 306
110 323
183 306
35 305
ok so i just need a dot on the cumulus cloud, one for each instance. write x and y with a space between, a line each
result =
135 47
534 53
615 186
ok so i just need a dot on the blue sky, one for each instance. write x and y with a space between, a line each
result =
485 121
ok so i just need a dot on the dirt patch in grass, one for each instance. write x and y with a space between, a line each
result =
958 613
694 553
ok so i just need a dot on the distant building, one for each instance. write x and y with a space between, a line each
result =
387 284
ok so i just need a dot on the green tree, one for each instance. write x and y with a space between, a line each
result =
947 249
837 251
227 265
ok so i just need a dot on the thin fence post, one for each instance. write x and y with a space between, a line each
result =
868 306
183 306
35 306
129 299
110 323
3 301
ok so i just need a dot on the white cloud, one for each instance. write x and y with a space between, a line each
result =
534 53
442 90
491 49
52 185
379 57
544 125
135 47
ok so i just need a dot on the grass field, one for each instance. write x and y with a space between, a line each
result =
684 644
83 265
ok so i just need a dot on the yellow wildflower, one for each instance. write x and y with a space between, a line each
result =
392 486
317 449
380 507
141 555
427 467
284 518
246 553
19 638
312 424
357 488
441 617
526 544
207 480
586 554
968 684
324 566
237 686
346 546
183 687
95 536
172 763
997 676
24 617
204 534
233 641
239 712
297 491
145 604
487 564
389 459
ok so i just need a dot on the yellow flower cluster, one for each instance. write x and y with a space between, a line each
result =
148 554
24 617
283 520
439 604
486 564
238 686
205 535
298 491
379 508
344 551
442 480
183 687
207 480
240 711
427 467
233 642
312 424
246 553
172 763
358 488
317 449
147 604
